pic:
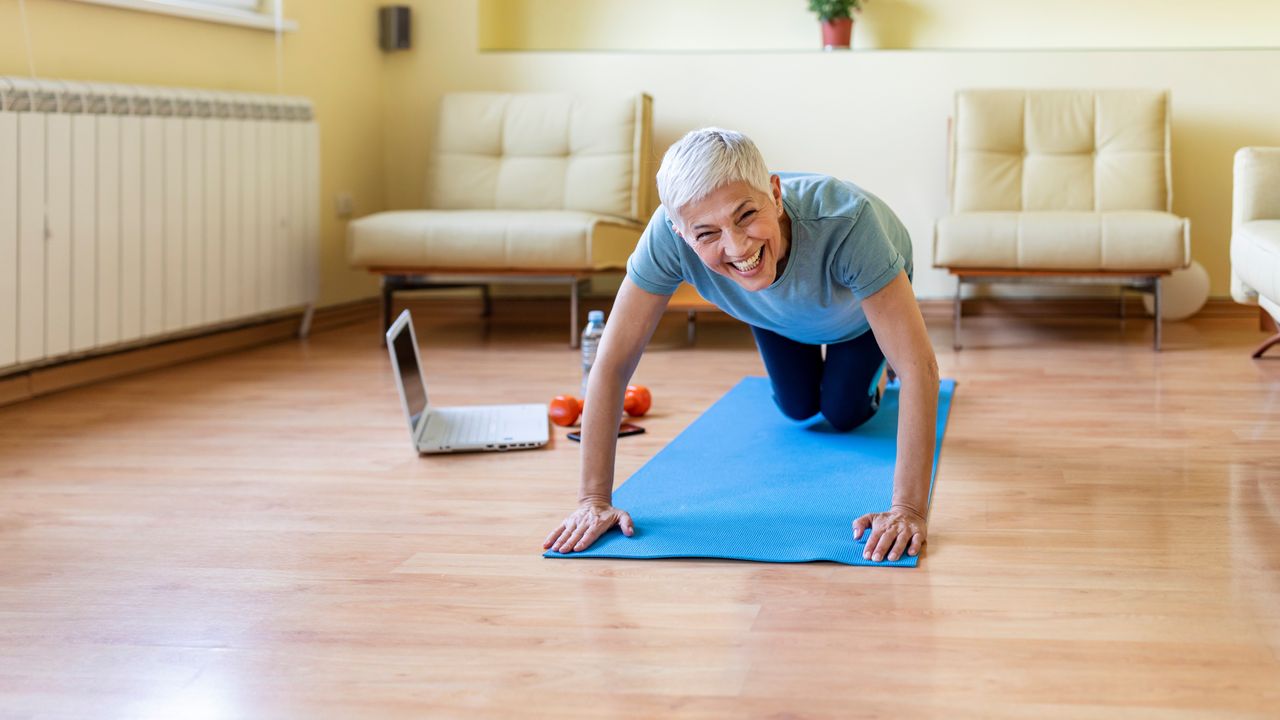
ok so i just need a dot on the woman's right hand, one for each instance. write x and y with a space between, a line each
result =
584 525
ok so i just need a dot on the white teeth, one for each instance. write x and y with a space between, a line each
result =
750 263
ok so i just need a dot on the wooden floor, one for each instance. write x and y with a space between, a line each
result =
251 536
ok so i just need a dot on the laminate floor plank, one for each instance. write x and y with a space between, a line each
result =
252 536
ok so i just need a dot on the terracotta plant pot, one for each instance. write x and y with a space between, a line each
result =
837 33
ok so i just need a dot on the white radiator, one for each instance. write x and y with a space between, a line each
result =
130 214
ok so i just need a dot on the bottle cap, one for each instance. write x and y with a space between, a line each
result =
595 316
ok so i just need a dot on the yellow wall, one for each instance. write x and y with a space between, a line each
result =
877 118
333 59
891 24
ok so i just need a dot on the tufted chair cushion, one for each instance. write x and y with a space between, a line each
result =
1061 180
540 152
522 182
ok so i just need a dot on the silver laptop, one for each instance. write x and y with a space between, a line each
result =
457 429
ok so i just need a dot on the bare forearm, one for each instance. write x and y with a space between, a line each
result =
631 324
602 413
917 420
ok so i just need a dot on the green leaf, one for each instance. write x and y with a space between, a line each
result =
828 10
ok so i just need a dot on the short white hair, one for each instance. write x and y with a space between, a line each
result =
705 160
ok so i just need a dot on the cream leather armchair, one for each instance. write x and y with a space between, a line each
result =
1064 186
525 188
1255 234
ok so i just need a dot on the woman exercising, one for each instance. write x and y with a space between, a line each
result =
807 261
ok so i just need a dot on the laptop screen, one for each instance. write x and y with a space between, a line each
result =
415 394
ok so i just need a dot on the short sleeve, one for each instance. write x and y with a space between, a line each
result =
654 266
869 258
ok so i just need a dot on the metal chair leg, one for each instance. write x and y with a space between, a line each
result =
1159 323
304 327
388 290
1271 341
573 313
1266 345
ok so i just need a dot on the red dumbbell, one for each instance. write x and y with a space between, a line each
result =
564 410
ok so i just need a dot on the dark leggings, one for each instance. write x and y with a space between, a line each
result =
841 387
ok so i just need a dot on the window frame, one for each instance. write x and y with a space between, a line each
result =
264 18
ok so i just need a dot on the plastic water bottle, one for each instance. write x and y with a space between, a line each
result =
590 343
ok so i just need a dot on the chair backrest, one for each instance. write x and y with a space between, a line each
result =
533 151
1073 150
1256 185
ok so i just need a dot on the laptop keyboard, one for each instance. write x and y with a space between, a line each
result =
468 426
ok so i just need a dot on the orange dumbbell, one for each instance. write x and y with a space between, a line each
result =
564 410
637 401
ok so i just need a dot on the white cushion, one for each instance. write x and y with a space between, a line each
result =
523 182
1255 257
536 151
1069 241
1255 226
1061 180
1075 150
491 240
1256 193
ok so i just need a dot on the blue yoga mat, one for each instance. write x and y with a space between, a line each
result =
743 482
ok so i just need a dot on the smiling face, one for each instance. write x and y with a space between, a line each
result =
739 232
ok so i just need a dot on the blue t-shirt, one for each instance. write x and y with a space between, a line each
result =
846 244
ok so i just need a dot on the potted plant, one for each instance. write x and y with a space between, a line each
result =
836 17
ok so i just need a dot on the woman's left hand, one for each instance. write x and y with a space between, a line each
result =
901 528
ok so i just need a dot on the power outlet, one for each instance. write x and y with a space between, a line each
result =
344 204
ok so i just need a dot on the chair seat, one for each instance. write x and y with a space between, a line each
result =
492 239
1067 241
1255 257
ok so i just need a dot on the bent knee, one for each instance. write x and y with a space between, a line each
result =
848 416
797 408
